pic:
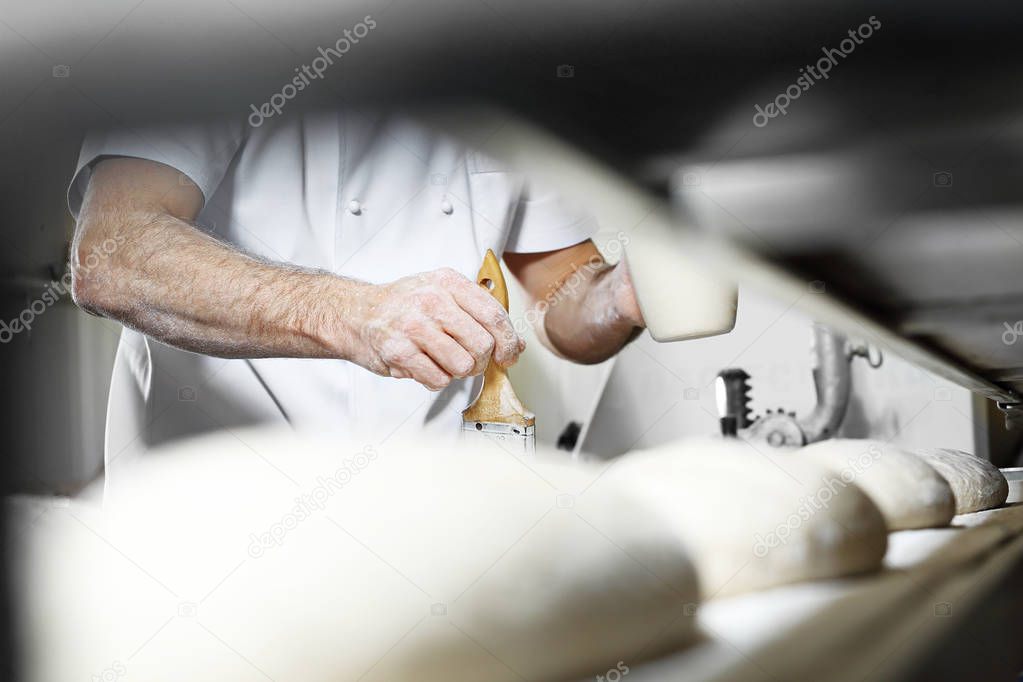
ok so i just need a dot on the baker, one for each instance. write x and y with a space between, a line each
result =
318 270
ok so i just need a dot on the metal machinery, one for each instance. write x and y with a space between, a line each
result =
832 355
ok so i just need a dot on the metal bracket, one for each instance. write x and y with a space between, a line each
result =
1013 414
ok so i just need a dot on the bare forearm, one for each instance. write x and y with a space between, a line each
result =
157 273
185 288
593 315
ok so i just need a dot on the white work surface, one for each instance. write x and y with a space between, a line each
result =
873 627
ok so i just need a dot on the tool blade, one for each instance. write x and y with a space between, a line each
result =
512 437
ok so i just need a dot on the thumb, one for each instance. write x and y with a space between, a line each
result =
625 295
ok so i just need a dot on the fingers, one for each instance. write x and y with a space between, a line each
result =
445 352
483 308
437 326
470 336
421 369
402 358
429 356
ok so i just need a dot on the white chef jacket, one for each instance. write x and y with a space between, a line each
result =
361 195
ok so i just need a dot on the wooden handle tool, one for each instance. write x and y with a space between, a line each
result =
497 412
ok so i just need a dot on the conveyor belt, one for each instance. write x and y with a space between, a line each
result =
876 627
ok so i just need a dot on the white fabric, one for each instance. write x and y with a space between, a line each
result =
286 191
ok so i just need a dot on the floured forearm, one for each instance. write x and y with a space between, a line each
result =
593 316
166 278
181 286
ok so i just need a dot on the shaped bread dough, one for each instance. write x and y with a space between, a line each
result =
750 519
907 490
260 555
976 483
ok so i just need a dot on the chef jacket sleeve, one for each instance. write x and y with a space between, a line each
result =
201 152
546 221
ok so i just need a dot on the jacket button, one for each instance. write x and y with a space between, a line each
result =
354 207
446 207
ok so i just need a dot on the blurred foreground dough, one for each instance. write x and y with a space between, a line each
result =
263 555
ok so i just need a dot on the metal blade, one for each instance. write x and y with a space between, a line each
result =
512 437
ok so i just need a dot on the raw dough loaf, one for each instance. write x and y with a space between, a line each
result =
413 563
976 483
907 490
750 519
